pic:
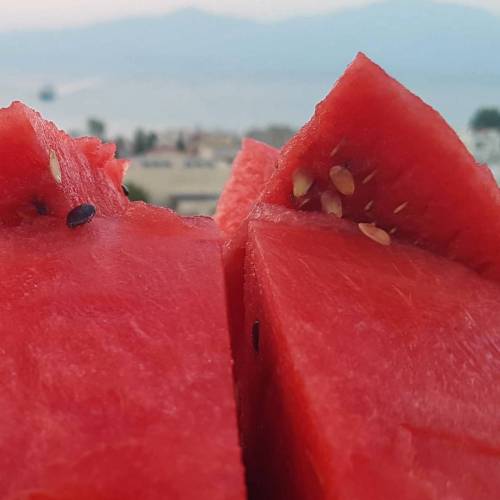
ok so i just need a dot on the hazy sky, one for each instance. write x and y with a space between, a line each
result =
19 14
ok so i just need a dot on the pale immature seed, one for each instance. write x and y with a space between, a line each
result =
302 182
375 233
369 206
400 208
342 179
331 204
54 166
369 177
393 230
335 150
303 202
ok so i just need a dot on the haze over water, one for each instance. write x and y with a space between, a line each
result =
229 104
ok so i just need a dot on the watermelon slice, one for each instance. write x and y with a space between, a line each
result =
365 372
252 167
115 362
362 155
47 171
385 157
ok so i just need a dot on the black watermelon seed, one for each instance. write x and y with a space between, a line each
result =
256 336
80 215
40 207
125 190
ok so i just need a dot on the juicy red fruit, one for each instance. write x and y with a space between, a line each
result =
251 168
376 371
413 176
89 173
114 343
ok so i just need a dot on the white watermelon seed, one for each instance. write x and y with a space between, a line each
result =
54 166
375 233
302 182
393 230
342 179
331 204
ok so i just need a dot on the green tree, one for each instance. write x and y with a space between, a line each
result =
485 118
152 140
143 141
121 147
274 135
180 144
139 142
137 193
96 128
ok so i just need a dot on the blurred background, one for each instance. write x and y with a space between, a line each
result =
177 83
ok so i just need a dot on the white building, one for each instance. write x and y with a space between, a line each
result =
188 183
485 146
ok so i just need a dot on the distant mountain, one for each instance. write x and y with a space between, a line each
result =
431 40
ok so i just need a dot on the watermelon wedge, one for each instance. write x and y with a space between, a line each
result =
44 170
387 158
376 154
365 372
115 361
366 367
252 167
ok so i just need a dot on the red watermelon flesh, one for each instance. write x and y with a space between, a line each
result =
87 169
114 344
252 167
367 372
412 175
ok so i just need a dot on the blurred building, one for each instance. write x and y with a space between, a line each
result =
274 135
186 171
485 146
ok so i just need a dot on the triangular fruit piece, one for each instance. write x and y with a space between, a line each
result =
115 361
45 170
365 371
375 153
363 362
378 155
251 168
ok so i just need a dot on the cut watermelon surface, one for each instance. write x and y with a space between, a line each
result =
365 371
366 367
390 159
251 168
115 360
44 169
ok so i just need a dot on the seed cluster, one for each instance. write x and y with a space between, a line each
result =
343 184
